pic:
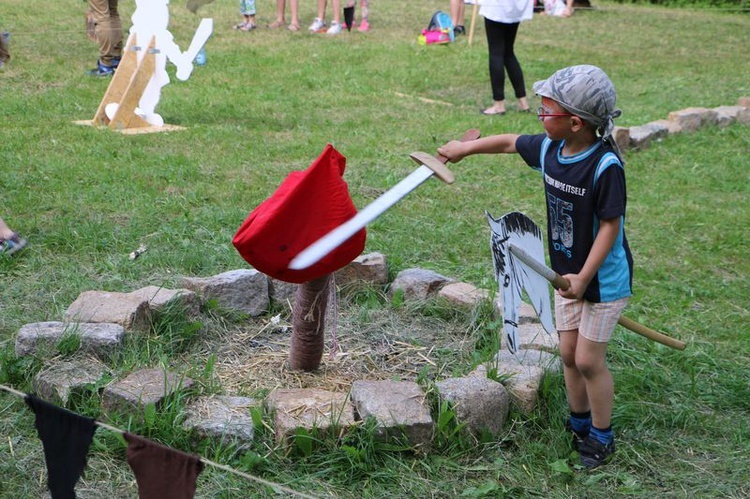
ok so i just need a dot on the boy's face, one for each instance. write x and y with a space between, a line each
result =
556 120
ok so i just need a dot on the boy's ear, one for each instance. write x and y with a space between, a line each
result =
577 124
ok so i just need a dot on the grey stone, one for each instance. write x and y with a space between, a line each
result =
530 357
364 270
130 311
418 284
692 118
622 137
672 127
308 408
642 136
57 382
522 383
399 408
531 335
223 418
480 403
140 388
281 293
42 337
159 299
244 290
462 294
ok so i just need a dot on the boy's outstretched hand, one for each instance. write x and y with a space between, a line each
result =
453 150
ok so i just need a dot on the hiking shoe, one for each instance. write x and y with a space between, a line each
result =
335 29
578 437
13 245
102 70
364 26
317 25
594 453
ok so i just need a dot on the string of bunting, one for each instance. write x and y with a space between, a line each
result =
60 476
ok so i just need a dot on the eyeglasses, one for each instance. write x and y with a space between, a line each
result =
542 113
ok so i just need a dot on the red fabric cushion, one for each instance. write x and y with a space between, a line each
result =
306 206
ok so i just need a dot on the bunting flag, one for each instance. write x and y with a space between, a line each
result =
66 437
306 206
162 472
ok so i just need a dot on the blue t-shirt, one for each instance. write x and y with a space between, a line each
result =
581 190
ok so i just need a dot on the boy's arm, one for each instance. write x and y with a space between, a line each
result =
455 151
605 239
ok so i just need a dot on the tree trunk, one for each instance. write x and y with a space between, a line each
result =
308 324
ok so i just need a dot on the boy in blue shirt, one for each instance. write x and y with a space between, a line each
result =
584 183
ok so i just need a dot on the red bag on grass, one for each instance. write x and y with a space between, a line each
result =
306 206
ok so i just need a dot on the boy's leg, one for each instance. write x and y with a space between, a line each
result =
598 321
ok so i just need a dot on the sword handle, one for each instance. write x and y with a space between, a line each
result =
437 163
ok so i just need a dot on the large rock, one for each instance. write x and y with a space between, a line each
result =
223 418
642 136
400 409
146 386
531 335
418 284
692 118
462 294
131 311
521 380
43 337
364 270
244 290
58 382
480 403
312 409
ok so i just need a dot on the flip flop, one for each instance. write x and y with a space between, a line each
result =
293 27
491 112
276 24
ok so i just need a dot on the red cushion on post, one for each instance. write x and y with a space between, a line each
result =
306 206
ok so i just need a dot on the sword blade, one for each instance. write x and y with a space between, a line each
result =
320 248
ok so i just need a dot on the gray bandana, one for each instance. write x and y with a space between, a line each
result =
585 91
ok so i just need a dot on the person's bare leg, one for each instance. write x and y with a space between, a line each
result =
294 10
498 107
280 8
5 231
523 104
600 388
575 385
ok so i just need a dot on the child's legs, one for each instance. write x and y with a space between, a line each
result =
321 9
336 5
365 5
280 7
598 321
294 10
575 385
590 359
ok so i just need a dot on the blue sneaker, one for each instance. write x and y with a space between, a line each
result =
13 245
103 70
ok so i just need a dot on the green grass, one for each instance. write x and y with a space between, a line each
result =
266 104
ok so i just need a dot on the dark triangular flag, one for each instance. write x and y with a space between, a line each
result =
66 437
162 472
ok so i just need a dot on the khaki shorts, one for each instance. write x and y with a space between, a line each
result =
594 321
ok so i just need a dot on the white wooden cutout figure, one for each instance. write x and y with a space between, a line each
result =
151 20
513 276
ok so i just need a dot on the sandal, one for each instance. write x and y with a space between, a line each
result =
248 27
12 245
293 27
276 24
241 26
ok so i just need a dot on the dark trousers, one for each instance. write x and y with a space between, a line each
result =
500 39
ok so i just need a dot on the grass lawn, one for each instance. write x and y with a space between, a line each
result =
266 104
